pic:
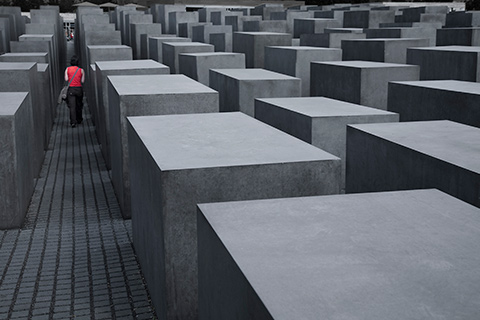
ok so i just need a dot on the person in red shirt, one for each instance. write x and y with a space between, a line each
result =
75 91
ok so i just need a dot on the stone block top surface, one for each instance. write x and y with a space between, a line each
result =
253 74
42 67
445 140
447 85
16 65
304 48
384 39
219 140
262 33
10 101
129 64
25 54
323 107
35 36
450 48
357 256
187 44
157 84
211 54
364 64
112 47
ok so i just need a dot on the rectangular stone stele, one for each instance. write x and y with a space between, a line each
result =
110 68
415 155
378 255
381 50
295 61
171 51
446 62
238 88
361 82
39 57
197 65
140 95
178 161
454 100
459 37
109 53
319 121
155 45
16 130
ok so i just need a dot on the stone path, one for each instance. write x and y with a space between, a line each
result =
74 257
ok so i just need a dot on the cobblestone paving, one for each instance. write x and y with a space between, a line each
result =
74 257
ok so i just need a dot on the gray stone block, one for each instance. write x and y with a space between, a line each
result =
103 37
463 19
238 88
204 14
202 33
19 22
434 18
39 57
290 16
344 30
415 14
253 44
454 100
171 51
264 10
219 158
412 32
458 37
4 35
155 45
47 100
392 50
218 17
132 19
176 17
328 40
295 61
237 21
338 257
197 65
313 25
361 82
16 132
137 29
446 63
367 19
414 155
163 12
109 53
113 68
319 121
23 77
279 26
223 42
147 95
185 29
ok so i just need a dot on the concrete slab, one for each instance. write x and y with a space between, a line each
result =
137 29
313 25
111 68
380 50
221 157
155 45
197 65
185 29
361 82
253 44
339 257
415 155
177 17
454 100
238 88
16 132
172 50
458 37
411 32
319 121
295 61
139 95
109 53
367 18
329 40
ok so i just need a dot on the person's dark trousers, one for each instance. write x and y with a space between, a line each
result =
75 103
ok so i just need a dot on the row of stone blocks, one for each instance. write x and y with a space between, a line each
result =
30 78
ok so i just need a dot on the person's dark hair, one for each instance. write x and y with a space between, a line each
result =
74 61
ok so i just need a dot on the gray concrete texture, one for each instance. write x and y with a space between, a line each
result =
295 61
360 82
313 25
463 19
16 133
328 40
237 21
446 62
290 16
155 45
319 121
164 18
458 37
429 33
279 26
197 65
367 19
380 50
137 29
133 18
253 44
178 17
185 29
109 53
453 100
222 42
23 77
172 50
248 160
139 95
414 155
339 257
110 68
238 88
202 33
